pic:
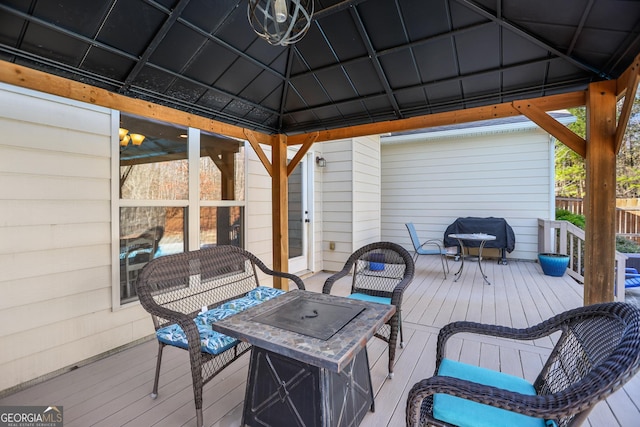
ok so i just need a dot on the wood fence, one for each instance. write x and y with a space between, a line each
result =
627 215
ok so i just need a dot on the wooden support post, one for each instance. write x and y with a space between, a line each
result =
280 211
600 199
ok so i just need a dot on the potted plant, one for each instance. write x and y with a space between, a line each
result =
553 264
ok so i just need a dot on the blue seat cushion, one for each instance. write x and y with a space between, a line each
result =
210 341
240 304
466 413
264 293
213 315
370 298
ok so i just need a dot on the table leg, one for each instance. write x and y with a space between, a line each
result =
484 276
459 272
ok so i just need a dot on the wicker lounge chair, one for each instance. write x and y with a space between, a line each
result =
597 352
185 293
381 273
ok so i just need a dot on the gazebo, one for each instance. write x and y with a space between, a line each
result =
362 68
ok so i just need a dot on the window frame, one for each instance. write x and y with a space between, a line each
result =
192 203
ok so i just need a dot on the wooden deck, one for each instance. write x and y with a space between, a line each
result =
115 391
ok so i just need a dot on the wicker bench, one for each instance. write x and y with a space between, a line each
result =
185 293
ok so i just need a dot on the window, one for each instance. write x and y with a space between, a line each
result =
160 212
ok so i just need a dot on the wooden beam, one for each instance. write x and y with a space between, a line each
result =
600 201
252 137
48 83
625 77
306 145
546 103
280 210
630 85
551 125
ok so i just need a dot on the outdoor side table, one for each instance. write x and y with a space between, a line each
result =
309 364
477 237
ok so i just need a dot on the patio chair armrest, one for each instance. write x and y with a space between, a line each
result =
435 242
328 284
184 320
524 334
534 406
398 291
292 277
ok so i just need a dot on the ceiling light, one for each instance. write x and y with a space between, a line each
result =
137 138
124 141
126 137
280 22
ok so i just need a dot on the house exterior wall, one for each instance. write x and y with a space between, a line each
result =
56 236
337 203
258 210
433 181
317 220
366 191
351 198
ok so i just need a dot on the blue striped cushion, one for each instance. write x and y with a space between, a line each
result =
213 315
263 293
210 341
240 304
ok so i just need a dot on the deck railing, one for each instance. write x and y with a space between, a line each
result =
627 215
565 238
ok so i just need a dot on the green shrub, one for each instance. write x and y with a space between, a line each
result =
575 219
626 246
623 244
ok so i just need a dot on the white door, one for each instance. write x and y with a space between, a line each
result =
299 218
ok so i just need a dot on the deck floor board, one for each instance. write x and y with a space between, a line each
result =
114 391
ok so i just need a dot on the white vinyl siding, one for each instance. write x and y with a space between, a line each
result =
431 182
350 198
337 203
55 237
366 191
258 212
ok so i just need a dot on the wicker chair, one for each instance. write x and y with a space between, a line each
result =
174 289
381 273
597 352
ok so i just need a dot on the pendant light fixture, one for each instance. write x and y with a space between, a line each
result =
280 22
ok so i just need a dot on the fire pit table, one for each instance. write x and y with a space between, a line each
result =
309 363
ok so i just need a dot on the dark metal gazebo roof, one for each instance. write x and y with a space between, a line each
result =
361 61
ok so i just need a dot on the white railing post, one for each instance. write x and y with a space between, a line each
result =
569 240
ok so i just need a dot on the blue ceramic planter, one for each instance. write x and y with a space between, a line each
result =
553 264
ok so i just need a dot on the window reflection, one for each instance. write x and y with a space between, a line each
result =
221 168
147 233
156 169
154 193
221 226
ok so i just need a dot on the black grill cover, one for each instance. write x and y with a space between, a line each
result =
505 238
